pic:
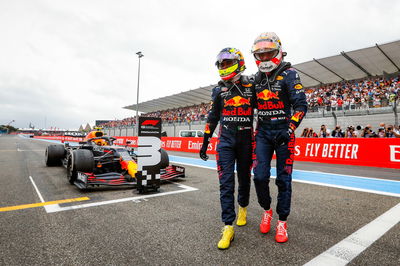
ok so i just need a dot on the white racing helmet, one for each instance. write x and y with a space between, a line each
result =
267 51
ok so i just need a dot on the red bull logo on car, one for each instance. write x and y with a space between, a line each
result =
267 95
237 101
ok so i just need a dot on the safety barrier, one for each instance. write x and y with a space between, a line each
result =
60 138
357 151
373 152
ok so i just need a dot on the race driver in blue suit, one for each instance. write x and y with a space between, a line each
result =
233 102
281 104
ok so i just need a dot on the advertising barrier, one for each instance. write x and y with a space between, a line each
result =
358 151
383 152
60 138
375 152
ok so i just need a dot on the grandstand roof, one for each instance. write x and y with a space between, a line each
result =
187 98
357 64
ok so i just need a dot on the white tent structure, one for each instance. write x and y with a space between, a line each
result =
367 62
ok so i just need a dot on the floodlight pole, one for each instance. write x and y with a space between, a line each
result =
140 55
8 129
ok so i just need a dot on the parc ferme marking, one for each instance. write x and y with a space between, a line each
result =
41 204
136 199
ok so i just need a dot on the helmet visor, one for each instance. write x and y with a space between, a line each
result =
266 55
225 56
229 70
264 46
226 63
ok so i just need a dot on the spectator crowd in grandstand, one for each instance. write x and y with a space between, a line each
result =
349 95
183 114
384 131
117 123
367 93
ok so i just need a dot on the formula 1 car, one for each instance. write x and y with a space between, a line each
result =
96 161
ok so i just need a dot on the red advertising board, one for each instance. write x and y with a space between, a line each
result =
366 152
383 152
374 152
358 151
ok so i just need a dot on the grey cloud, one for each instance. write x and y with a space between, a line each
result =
74 61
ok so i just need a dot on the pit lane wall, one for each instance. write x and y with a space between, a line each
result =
358 151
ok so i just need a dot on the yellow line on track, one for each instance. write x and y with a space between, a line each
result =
34 205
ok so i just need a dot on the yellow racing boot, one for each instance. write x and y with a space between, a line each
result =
241 218
228 235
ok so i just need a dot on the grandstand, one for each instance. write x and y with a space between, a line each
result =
352 88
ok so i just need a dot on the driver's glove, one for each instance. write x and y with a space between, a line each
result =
283 137
203 151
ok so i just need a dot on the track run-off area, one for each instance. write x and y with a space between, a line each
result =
340 215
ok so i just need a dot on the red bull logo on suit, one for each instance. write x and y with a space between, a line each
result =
267 95
237 101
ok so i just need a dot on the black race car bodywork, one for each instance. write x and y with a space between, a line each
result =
90 165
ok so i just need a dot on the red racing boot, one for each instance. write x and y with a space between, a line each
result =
281 232
265 224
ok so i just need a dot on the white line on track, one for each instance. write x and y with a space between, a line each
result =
320 183
28 150
357 176
299 170
37 190
350 247
46 207
195 165
348 188
58 208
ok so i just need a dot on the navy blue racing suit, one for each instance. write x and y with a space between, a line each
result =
233 107
281 105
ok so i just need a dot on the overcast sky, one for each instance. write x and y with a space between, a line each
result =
66 63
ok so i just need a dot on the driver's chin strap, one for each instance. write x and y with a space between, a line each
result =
280 68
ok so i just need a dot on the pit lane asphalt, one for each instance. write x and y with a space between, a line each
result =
179 229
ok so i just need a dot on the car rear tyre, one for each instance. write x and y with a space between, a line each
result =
54 155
